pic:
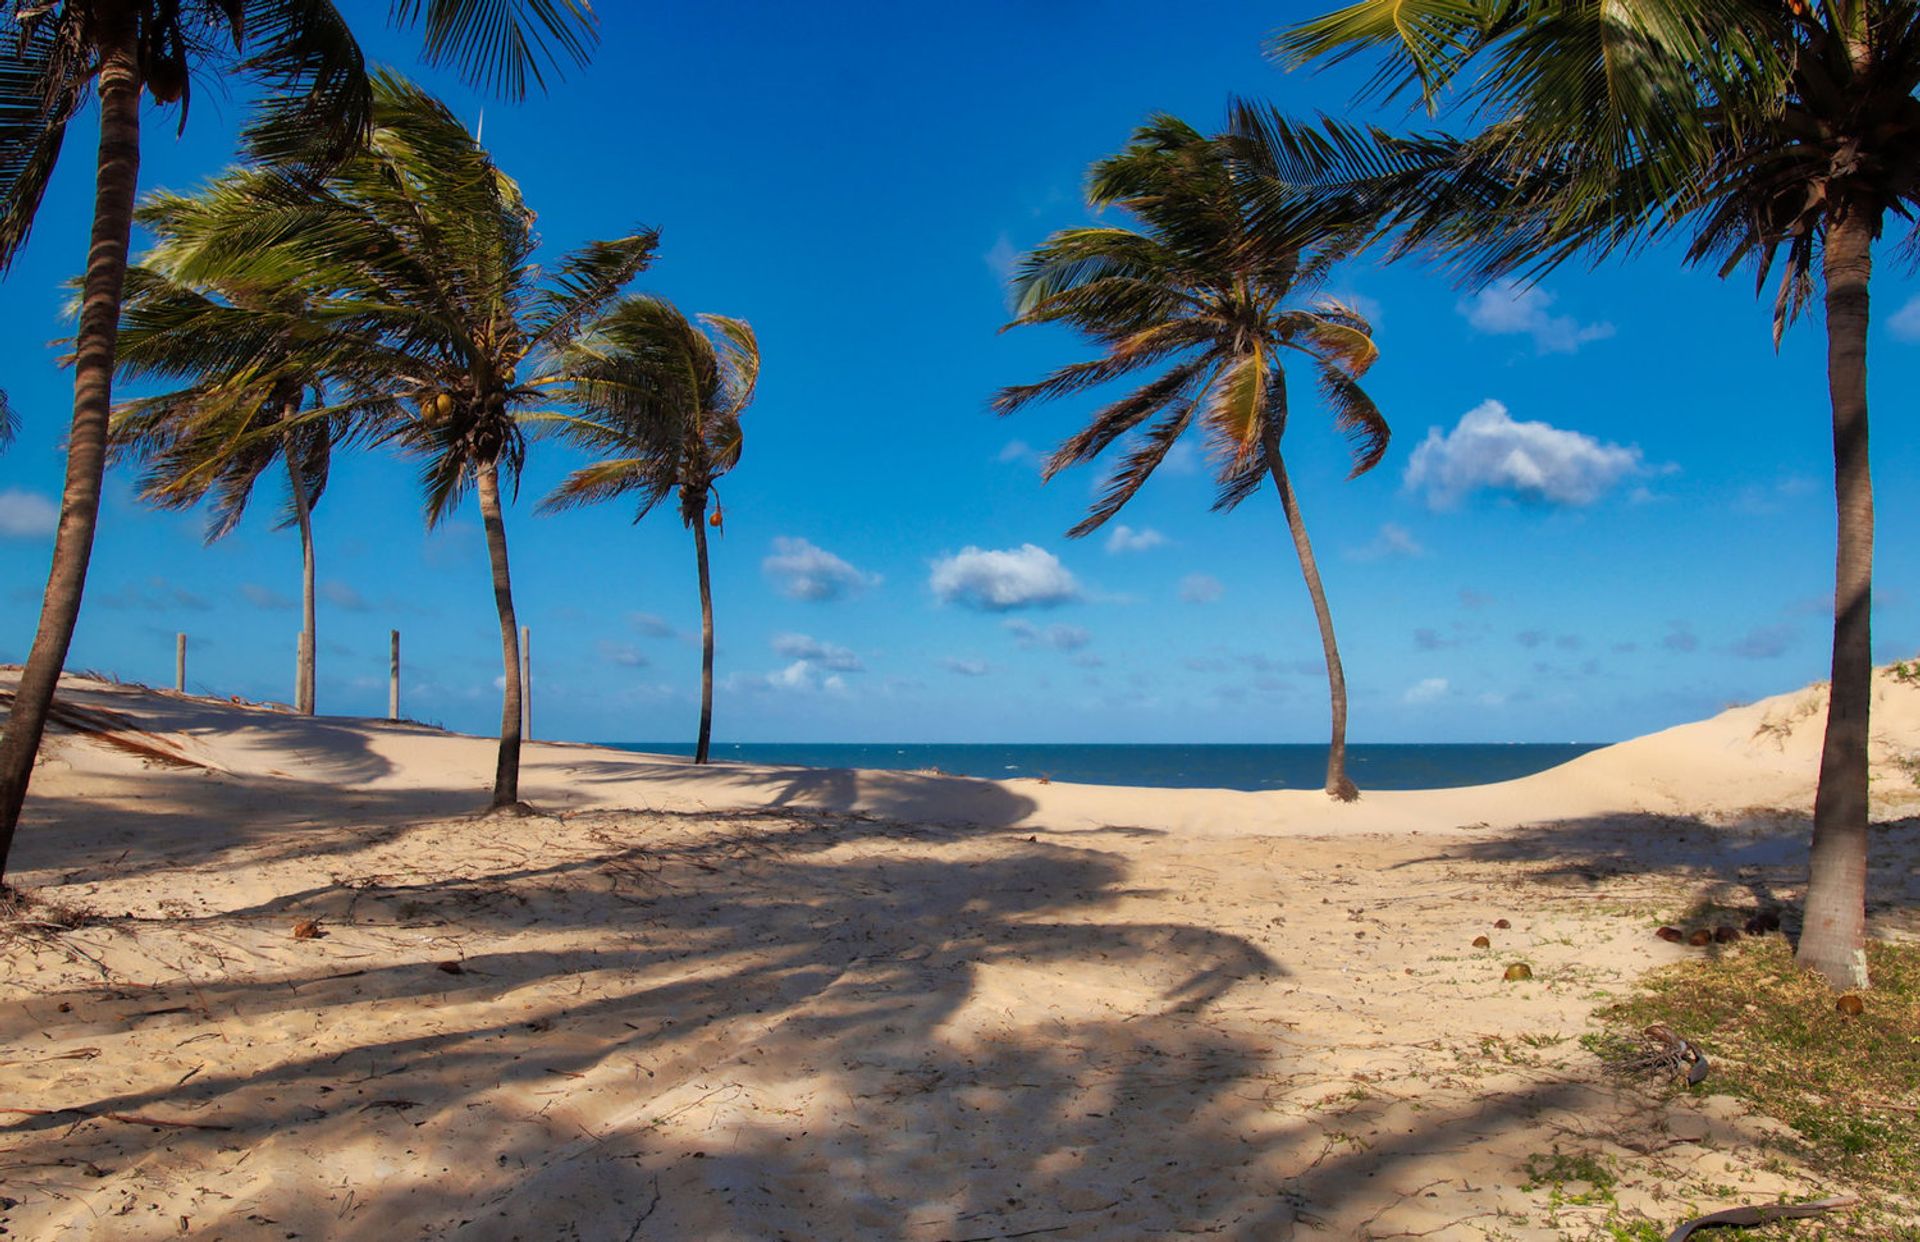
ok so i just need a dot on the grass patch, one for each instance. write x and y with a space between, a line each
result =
1849 1086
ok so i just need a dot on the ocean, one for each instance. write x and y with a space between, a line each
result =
1250 767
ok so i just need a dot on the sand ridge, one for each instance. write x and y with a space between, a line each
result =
775 1003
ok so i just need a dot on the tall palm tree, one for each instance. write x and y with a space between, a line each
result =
304 55
660 400
1193 295
1757 131
417 256
250 341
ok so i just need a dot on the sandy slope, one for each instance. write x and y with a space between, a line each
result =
759 1003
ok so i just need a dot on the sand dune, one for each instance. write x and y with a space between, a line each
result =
755 1002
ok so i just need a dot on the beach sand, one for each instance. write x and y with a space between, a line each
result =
750 1002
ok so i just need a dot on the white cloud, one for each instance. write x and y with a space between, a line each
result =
622 654
1508 307
1127 539
340 595
1059 637
26 515
813 573
1905 322
994 580
650 625
1428 690
811 650
965 668
265 597
1002 258
1394 540
1488 449
1201 588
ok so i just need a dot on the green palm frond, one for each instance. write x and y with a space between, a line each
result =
1202 292
502 45
9 421
660 398
45 65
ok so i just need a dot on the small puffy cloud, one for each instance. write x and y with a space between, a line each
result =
649 625
1905 322
1680 637
1427 690
158 595
825 655
965 668
1058 637
1766 642
265 597
994 580
1489 450
804 571
1201 588
1127 539
342 596
621 654
1001 258
1394 540
26 515
1022 453
1508 307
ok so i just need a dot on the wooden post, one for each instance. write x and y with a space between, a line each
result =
526 683
393 675
180 662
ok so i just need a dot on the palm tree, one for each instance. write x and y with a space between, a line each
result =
1776 133
9 421
245 335
660 400
1192 291
417 255
318 104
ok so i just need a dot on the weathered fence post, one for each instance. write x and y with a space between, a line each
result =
526 683
180 663
393 675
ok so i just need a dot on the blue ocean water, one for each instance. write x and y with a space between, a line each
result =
1250 767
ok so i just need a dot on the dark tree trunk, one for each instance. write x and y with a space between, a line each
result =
506 774
705 740
1338 784
309 638
1833 940
115 181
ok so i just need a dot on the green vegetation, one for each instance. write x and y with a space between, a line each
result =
1849 1086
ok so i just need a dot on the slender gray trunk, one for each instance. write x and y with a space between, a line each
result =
1833 938
706 640
506 774
116 181
303 512
1339 785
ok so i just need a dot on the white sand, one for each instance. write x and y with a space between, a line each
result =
777 1003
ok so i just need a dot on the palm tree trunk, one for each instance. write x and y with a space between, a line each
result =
1339 785
506 773
309 639
116 178
1833 938
706 640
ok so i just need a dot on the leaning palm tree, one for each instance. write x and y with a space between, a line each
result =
318 103
417 256
1781 134
1191 294
250 342
660 400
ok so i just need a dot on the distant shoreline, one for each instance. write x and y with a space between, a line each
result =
1249 767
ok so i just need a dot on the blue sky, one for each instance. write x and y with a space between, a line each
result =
1607 507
